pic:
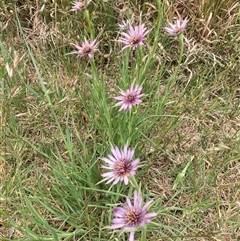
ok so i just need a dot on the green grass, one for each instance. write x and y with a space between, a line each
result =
58 120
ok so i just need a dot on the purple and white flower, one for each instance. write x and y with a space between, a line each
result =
125 25
176 28
134 36
87 48
130 97
131 216
120 165
80 5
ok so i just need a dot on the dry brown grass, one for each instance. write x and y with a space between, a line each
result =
211 19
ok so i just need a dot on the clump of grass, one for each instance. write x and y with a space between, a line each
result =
59 119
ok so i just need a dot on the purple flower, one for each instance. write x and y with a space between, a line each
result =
135 36
125 25
130 97
131 216
80 5
120 165
177 28
87 48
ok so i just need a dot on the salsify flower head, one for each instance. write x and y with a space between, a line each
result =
176 28
80 5
134 36
87 48
131 216
120 165
125 25
130 97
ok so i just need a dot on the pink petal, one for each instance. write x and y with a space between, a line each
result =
131 236
115 226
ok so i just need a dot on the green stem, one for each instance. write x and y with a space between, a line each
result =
130 121
93 67
144 234
97 88
181 43
139 64
134 183
94 73
125 68
155 43
173 79
89 22
99 96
